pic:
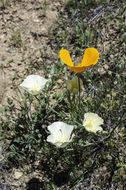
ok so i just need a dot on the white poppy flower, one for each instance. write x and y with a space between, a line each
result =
60 134
92 122
34 84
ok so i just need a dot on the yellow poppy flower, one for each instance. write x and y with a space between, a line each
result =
90 58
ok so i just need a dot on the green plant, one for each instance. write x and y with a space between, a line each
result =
16 39
97 158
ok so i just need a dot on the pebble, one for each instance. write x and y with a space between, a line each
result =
18 174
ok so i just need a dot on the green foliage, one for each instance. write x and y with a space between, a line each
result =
16 39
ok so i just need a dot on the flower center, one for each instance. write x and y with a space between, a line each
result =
61 139
89 125
35 88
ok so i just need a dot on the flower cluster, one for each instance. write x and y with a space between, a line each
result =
61 133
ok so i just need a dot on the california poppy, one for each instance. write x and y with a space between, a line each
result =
90 58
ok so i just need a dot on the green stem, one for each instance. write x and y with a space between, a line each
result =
71 106
79 92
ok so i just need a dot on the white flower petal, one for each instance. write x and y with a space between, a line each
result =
67 129
55 126
92 122
61 133
34 84
51 138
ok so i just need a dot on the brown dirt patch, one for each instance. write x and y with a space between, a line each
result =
25 27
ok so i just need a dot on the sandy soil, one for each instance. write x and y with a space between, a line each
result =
24 30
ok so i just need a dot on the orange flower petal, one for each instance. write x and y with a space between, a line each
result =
78 69
65 57
91 56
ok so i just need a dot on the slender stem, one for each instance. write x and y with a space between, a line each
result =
71 105
79 91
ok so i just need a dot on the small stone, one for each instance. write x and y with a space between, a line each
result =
101 71
18 174
106 66
22 16
10 50
111 56
26 179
